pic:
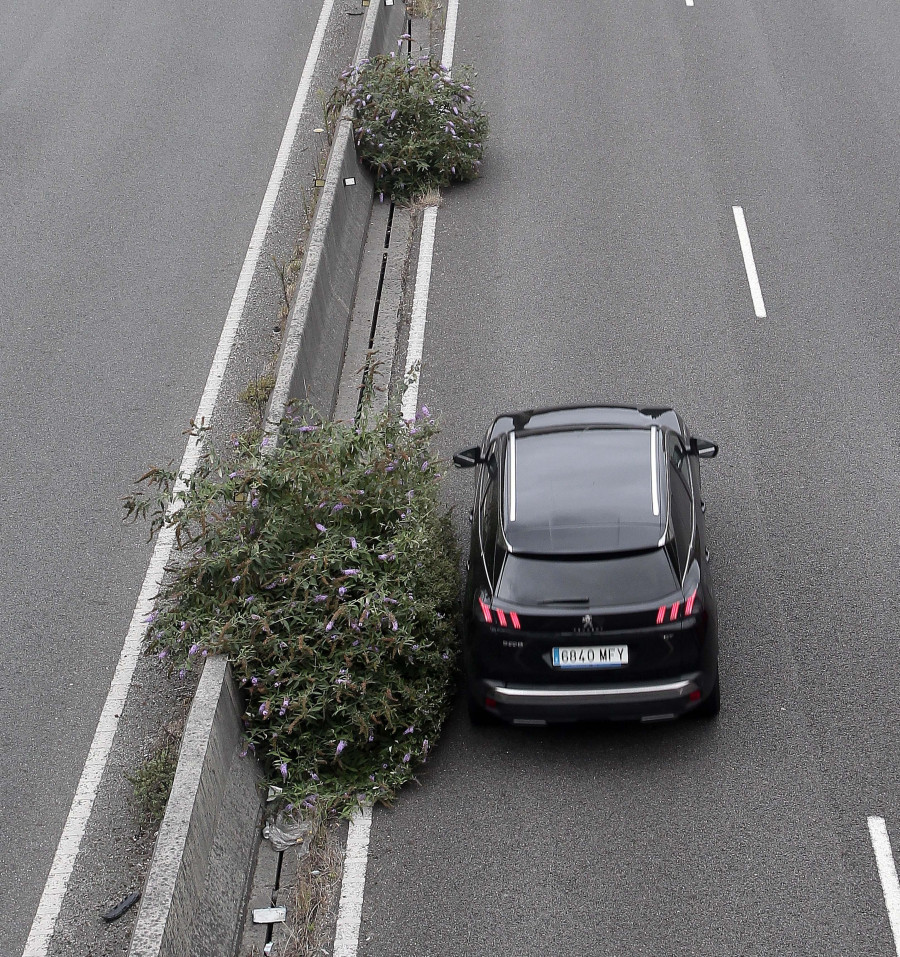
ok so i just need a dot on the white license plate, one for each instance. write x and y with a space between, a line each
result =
592 656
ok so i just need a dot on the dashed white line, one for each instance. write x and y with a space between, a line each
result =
690 3
749 264
887 871
44 922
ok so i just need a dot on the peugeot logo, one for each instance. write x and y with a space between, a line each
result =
587 624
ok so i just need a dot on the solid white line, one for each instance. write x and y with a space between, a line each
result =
426 252
419 309
749 265
690 3
353 884
887 871
76 822
356 857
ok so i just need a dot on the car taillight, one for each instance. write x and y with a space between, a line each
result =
678 610
505 619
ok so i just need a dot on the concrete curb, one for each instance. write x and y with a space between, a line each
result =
309 366
195 893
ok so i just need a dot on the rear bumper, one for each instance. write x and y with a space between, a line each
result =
646 700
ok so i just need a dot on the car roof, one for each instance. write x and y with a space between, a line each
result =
578 490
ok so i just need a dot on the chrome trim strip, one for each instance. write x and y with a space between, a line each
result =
654 478
512 476
669 689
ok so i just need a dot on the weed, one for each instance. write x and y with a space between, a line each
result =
258 390
152 782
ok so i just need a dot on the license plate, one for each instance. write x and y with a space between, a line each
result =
592 656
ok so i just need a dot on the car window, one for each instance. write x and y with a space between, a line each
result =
681 516
617 580
490 509
679 458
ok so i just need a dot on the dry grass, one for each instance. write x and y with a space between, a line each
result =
315 899
431 197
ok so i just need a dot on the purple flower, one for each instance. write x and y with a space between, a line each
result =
283 768
409 730
425 411
162 654
264 709
353 544
321 598
350 571
337 507
340 747
236 578
183 626
255 503
329 626
425 466
320 527
342 591
314 776
254 681
371 736
394 625
193 651
152 617
406 757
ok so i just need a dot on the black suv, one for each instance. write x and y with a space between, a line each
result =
588 593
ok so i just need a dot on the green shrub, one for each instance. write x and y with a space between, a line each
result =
416 127
327 572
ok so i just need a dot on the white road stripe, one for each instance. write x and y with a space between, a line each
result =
356 856
887 871
419 309
749 265
426 251
690 3
353 884
73 831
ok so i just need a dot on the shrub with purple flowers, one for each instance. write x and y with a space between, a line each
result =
417 127
339 622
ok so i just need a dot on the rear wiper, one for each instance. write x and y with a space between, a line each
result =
566 601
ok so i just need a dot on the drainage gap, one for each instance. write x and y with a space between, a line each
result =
370 363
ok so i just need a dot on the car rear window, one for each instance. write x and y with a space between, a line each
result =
617 580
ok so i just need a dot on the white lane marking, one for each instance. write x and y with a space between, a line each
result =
419 309
887 871
690 3
356 857
353 884
51 900
749 264
426 252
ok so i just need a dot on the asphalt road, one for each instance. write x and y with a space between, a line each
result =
597 260
136 141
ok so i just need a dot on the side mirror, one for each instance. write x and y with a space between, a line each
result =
468 458
703 449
